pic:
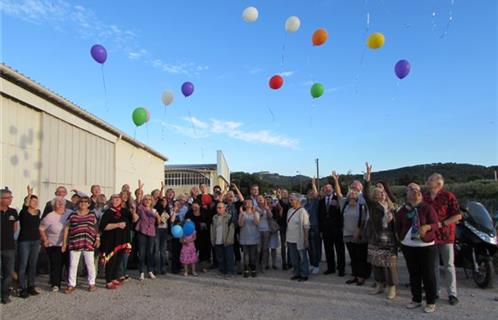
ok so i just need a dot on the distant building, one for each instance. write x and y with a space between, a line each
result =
47 141
183 177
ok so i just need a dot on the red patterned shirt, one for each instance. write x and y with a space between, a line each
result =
446 205
82 231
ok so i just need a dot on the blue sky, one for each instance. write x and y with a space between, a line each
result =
444 111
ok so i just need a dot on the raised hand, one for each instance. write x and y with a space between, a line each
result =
335 175
30 190
140 184
369 171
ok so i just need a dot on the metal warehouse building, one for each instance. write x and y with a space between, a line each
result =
48 141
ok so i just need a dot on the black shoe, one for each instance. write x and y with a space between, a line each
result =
267 267
24 293
303 279
275 268
6 300
284 267
253 274
329 272
295 278
453 300
246 274
351 281
342 273
360 282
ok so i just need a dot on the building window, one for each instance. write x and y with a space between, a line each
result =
185 178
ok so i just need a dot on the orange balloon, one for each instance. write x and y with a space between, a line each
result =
320 37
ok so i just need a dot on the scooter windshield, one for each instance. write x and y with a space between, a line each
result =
480 217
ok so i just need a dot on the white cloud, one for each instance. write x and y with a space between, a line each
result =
256 70
200 129
64 17
287 73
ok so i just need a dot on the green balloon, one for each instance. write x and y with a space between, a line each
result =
317 90
139 116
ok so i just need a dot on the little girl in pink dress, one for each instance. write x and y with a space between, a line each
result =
188 255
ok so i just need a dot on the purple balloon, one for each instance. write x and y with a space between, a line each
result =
402 68
187 88
99 53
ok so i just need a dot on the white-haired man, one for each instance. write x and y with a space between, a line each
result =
446 206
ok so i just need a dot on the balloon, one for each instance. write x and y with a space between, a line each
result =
317 90
167 97
99 53
292 24
139 116
187 88
250 14
188 228
177 231
319 37
276 82
402 68
376 40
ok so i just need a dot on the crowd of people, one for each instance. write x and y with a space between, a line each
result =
235 235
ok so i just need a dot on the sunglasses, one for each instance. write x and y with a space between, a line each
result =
84 201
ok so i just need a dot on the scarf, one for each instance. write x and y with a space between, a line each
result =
413 216
117 212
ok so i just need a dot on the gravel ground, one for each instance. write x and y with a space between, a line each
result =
269 296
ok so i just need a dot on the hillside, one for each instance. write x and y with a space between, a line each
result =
453 173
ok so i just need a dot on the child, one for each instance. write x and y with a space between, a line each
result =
188 255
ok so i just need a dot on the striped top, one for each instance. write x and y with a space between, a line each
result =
82 231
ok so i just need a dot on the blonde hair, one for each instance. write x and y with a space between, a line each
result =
375 197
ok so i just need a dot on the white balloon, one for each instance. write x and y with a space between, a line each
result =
167 97
250 14
292 24
147 117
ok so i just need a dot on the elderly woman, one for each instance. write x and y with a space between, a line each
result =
146 233
354 220
298 226
416 225
264 231
382 249
201 220
52 235
80 237
249 236
222 239
115 240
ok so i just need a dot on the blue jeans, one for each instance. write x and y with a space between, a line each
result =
161 247
225 257
315 249
145 250
299 260
6 268
28 257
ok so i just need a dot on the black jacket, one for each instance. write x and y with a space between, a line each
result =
330 219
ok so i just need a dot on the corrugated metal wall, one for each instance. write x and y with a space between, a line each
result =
74 157
21 142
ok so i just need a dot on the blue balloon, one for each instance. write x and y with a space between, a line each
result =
188 228
177 231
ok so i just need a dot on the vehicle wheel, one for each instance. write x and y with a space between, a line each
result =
483 277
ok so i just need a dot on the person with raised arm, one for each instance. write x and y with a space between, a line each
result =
315 241
382 247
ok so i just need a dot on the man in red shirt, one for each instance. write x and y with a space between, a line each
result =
448 212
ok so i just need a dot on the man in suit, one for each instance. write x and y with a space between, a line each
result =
330 226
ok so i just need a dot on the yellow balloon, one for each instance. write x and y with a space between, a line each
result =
376 40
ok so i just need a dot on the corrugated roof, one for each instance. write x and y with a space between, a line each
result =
172 167
23 81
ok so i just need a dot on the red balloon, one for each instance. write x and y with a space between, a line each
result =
276 82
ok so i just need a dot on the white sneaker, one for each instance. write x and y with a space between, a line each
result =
315 270
430 308
142 277
55 288
151 275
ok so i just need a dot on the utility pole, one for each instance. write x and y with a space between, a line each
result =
317 174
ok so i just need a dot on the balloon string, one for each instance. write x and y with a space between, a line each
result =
192 123
271 112
283 51
450 19
134 138
105 87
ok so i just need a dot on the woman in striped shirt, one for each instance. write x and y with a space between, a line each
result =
80 236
